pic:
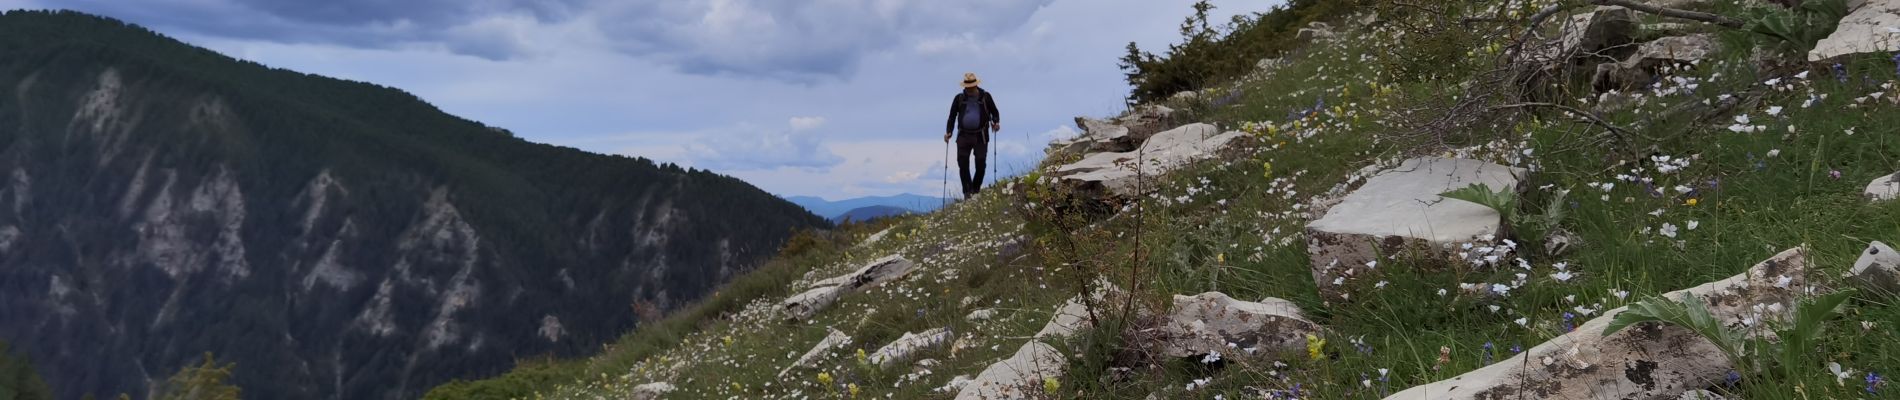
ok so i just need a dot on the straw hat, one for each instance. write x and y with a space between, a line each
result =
970 81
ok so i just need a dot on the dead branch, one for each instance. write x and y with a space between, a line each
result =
1620 133
1717 19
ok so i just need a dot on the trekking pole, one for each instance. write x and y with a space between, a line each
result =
944 195
993 160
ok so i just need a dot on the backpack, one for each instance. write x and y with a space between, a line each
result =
973 103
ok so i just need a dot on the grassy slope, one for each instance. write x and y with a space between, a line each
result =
1235 226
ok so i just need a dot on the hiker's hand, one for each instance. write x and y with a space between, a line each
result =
946 137
996 127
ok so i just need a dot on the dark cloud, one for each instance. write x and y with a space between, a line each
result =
800 41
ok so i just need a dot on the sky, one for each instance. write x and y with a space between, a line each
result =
828 98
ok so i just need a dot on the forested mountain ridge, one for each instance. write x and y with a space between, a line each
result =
335 239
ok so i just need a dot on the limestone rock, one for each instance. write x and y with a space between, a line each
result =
981 315
825 292
1072 317
1315 31
1398 210
908 346
1868 28
832 341
1700 394
1116 173
1585 34
1644 361
1884 189
1208 322
1640 68
651 391
1878 269
1018 377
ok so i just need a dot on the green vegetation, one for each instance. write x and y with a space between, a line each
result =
1209 53
18 379
1658 198
204 381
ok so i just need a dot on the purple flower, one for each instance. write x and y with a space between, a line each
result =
1896 64
1567 318
1840 72
1836 174
1517 349
1486 355
1873 381
1732 378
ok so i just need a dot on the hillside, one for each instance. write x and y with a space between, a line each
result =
334 239
829 208
863 214
1311 226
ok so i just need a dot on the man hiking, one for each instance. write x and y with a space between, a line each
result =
973 117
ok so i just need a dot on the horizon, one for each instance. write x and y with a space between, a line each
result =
705 95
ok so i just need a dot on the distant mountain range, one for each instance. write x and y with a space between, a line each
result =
334 239
835 210
863 214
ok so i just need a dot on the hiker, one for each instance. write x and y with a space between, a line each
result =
973 118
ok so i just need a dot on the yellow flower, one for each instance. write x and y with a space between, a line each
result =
853 388
1268 167
1050 385
824 379
727 339
860 356
1220 258
1315 346
1692 202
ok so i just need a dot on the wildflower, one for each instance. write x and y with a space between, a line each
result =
1620 293
1567 318
1835 174
861 358
1501 289
1524 322
1050 385
1562 276
1772 153
1732 378
1840 374
1668 229
1691 202
1775 110
1211 357
853 388
1873 381
1486 354
1840 73
1783 281
1315 346
824 379
1693 223
1444 357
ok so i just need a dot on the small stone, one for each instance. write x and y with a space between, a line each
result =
1878 269
1885 188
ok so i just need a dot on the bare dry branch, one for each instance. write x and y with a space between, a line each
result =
1717 19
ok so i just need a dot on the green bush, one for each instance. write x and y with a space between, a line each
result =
1207 55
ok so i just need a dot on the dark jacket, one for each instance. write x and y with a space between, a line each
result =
990 115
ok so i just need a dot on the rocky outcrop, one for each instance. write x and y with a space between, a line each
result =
831 341
1644 361
1212 322
1885 188
825 292
1878 269
1640 68
908 346
1116 173
1591 33
1868 28
650 391
1020 376
1400 210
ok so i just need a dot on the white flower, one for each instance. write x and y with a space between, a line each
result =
1802 75
1620 293
1561 266
1783 281
1501 289
1381 284
1772 82
1211 357
1739 119
1774 153
1561 276
1524 322
1374 264
1339 281
1668 230
1775 110
1441 292
1683 189
1693 224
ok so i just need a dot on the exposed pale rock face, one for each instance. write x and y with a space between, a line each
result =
1018 377
1208 322
1878 269
908 346
823 293
1399 210
1644 361
1868 28
1884 189
1639 68
831 341
1117 173
651 391
1604 28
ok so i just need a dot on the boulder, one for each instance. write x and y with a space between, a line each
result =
1868 28
650 391
1105 135
1644 361
1399 210
1018 377
1586 34
1640 68
1146 120
908 346
825 292
1209 322
1072 317
1116 173
1878 269
832 341
1885 188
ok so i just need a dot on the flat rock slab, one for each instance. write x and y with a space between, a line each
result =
1400 208
1878 269
1644 361
1884 189
1864 30
831 341
1018 377
650 391
1210 322
1117 172
825 292
908 346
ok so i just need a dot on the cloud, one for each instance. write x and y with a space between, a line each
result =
751 148
903 176
794 41
1062 132
807 123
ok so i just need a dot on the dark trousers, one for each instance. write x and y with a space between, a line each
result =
972 141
